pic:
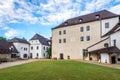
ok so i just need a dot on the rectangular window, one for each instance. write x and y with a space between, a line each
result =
64 32
60 32
81 29
114 42
88 28
64 40
44 47
31 48
60 41
88 38
107 25
81 38
118 59
37 47
24 49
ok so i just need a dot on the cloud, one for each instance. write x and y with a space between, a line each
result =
10 33
48 12
115 9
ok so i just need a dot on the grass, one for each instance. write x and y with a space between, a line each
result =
59 70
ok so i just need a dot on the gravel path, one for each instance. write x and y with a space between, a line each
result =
9 64
117 66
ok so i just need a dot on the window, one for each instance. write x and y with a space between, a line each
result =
44 54
81 38
37 54
66 23
80 20
81 29
60 32
21 47
31 48
118 59
88 38
88 28
114 42
97 16
24 49
64 32
60 40
44 47
25 55
64 40
107 25
37 47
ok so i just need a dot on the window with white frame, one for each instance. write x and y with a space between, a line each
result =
107 25
81 29
88 28
60 41
81 38
88 38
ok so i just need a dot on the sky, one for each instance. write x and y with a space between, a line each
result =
25 18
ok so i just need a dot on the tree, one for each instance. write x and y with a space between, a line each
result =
3 39
49 52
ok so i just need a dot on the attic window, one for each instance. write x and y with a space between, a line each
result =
80 20
97 16
66 23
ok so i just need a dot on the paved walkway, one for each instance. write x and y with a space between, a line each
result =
117 66
9 64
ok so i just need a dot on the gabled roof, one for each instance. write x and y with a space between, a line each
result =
5 46
113 30
112 49
42 39
19 40
104 14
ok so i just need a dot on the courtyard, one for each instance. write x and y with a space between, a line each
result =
59 70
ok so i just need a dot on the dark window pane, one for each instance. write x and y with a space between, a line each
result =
81 29
88 28
107 25
64 40
60 32
81 38
60 41
87 38
64 32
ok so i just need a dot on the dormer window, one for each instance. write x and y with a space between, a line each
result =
66 23
97 16
80 20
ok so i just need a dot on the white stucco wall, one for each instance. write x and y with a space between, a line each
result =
104 58
20 47
112 23
118 56
40 52
115 36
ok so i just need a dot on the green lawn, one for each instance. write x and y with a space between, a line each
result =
59 70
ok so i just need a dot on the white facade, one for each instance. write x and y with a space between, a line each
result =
105 58
111 21
116 37
37 50
23 49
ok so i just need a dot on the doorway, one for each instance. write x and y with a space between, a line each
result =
30 55
61 56
113 59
